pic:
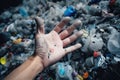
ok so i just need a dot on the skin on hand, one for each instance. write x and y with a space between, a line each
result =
51 47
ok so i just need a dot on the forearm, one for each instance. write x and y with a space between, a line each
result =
28 70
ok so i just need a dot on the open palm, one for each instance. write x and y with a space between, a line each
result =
50 47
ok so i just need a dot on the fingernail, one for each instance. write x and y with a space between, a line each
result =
39 20
66 19
77 23
78 45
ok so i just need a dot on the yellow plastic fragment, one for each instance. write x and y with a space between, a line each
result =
3 60
80 77
17 41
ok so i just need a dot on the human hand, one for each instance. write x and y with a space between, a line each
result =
51 47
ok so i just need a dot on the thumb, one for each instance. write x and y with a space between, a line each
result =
40 25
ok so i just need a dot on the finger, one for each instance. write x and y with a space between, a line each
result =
72 38
69 30
72 48
60 25
40 25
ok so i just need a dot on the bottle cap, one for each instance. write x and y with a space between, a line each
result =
3 60
85 75
96 54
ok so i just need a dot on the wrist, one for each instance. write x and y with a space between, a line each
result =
38 61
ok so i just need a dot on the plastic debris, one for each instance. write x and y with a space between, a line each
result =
3 60
99 55
77 75
96 54
70 11
85 75
114 6
94 2
89 62
3 51
114 42
85 33
23 12
17 41
92 43
64 71
4 37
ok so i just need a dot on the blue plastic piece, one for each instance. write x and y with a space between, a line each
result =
61 70
23 12
70 11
